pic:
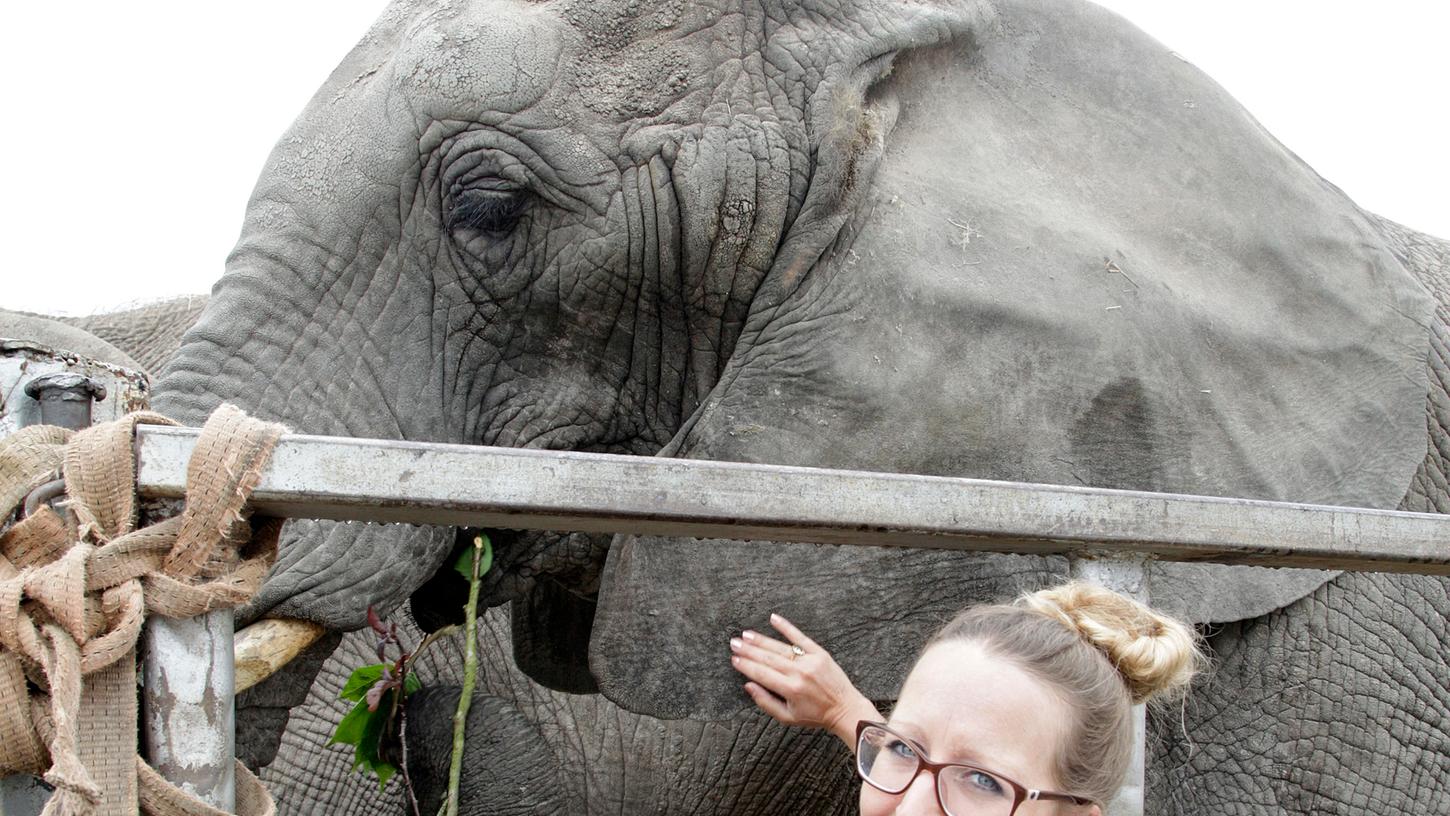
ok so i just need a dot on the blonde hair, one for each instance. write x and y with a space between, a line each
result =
1101 652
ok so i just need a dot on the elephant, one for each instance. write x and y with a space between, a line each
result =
1013 240
139 337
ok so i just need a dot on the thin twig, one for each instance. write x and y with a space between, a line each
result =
398 712
432 638
403 758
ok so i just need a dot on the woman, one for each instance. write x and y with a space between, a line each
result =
1022 708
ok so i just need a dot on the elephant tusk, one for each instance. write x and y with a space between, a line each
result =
268 645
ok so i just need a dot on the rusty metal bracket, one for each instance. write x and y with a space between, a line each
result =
47 492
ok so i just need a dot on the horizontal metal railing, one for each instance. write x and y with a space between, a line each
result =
1109 533
391 481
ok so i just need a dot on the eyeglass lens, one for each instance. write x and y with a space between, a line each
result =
890 763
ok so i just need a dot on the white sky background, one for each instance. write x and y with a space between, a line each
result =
134 132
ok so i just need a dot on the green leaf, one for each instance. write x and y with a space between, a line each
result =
352 727
385 772
464 564
363 729
411 683
362 679
366 753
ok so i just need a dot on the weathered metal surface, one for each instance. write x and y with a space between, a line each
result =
189 730
389 481
22 362
187 707
23 795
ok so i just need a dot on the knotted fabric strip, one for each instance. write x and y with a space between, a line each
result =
76 586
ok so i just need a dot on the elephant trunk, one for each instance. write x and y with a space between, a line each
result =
284 350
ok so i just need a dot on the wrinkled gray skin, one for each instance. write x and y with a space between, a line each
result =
1012 240
149 333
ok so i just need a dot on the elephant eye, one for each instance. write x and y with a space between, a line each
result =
493 210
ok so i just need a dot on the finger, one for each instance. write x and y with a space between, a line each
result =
760 654
767 702
773 680
793 634
766 642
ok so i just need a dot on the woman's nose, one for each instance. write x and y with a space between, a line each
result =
920 798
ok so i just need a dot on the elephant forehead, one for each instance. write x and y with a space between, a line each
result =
557 61
498 57
629 64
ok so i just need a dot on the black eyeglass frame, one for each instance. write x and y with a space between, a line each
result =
1020 792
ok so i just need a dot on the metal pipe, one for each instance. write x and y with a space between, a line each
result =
65 398
41 495
187 707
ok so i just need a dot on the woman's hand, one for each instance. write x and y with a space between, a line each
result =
798 683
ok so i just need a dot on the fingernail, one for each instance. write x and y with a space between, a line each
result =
735 661
774 618
748 635
735 643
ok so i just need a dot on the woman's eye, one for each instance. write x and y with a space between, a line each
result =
900 749
984 782
967 784
487 210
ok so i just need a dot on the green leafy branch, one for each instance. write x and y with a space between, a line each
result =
377 723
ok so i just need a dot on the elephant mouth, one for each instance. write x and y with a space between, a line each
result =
520 560
550 581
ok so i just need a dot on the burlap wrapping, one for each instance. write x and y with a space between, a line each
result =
76 586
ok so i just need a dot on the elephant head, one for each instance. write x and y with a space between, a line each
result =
1014 240
939 238
540 225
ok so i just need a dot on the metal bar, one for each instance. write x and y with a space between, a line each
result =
390 481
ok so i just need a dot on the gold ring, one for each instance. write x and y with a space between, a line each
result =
796 651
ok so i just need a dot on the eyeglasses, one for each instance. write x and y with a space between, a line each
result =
889 762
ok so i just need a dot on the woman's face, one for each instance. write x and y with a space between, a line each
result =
963 704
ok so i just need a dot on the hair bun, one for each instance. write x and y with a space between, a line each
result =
1153 653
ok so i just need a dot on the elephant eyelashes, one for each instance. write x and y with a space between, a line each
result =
495 211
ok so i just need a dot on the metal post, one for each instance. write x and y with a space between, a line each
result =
1125 575
187 705
65 399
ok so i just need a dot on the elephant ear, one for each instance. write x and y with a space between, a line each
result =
1084 263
